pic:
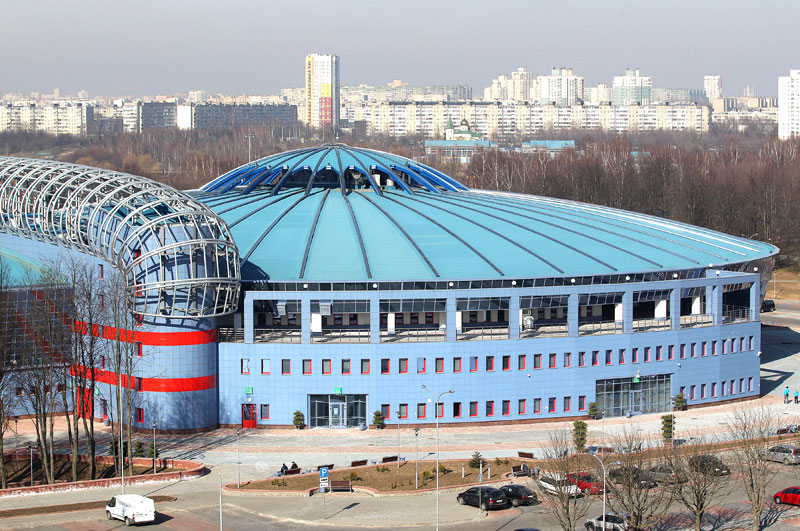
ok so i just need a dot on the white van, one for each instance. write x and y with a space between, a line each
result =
131 508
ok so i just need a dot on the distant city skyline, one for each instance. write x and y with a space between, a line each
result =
148 48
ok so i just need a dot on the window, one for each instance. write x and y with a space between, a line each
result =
421 410
137 384
506 363
489 363
567 401
749 383
595 354
456 364
552 361
671 352
551 405
420 365
634 356
326 366
724 345
353 319
414 318
345 366
537 405
385 366
694 350
704 352
713 348
473 363
139 319
646 354
473 409
428 318
489 408
439 410
581 359
20 391
101 271
521 406
581 403
683 391
733 345
752 344
658 353
723 388
702 390
692 393
386 411
608 357
733 387
306 366
741 385
403 365
264 411
537 361
139 414
364 366
456 409
714 389
337 319
102 362
521 362
567 357
245 366
102 301
265 366
439 365
398 318
60 387
403 411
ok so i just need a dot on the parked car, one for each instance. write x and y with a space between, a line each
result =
784 453
631 475
613 522
587 483
131 508
483 497
666 475
519 495
768 305
790 495
790 428
557 486
599 450
708 464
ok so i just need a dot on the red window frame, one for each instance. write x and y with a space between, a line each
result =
704 352
388 366
521 361
309 367
595 356
352 319
361 365
139 414
713 389
521 406
658 352
537 361
139 349
671 352
552 362
621 356
457 405
537 405
551 404
608 357
456 364
242 366
398 318
473 364
400 411
438 362
581 403
506 407
424 365
289 371
490 408
424 410
349 366
261 412
694 350
567 403
581 358
683 351
386 411
102 272
384 319
506 362
692 390
439 410
330 363
471 414
567 359
337 319
428 318
400 365
702 390
489 363
414 318
646 354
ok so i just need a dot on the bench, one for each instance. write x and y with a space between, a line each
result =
291 472
525 455
329 467
522 470
343 485
362 462
389 459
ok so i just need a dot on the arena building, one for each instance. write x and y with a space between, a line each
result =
338 281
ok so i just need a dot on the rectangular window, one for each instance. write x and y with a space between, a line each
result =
414 318
723 388
733 387
421 410
439 410
265 366
683 350
537 405
403 411
581 403
567 403
264 411
102 362
138 349
139 414
473 363
724 345
403 365
567 361
506 407
694 350
683 391
456 364
692 393
385 366
286 366
245 366
752 343
421 365
714 389
345 366
741 385
386 411
506 363
702 390
489 408
398 318
439 364
581 359
671 352
537 361
658 353
608 357
489 363
428 318
733 345
595 355
704 349
473 409
102 301
551 405
713 348
364 366
326 366
139 319
521 406
742 345
551 363
634 356
456 409
353 319
750 383
646 354
337 319
521 362
306 366
101 271
137 382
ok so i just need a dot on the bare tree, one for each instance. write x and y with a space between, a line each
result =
691 485
7 363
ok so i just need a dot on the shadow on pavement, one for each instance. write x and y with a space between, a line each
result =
346 508
777 343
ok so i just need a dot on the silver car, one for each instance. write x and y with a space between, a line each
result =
784 453
557 486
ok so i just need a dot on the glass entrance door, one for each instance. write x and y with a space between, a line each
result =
337 412
635 406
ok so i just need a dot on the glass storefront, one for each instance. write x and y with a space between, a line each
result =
337 411
620 397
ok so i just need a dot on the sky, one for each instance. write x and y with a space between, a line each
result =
149 47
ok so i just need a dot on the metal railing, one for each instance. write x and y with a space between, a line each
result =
736 314
277 335
413 335
651 325
227 334
341 335
544 330
482 333
696 320
599 327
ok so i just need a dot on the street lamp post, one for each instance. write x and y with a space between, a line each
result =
603 468
238 462
154 447
416 459
436 416
398 438
249 137
16 439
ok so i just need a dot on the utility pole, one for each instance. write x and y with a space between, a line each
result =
249 137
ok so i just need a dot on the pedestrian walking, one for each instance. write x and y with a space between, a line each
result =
796 397
786 395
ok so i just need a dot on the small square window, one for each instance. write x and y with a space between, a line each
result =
489 408
521 362
537 361
345 366
421 410
245 366
403 365
456 364
306 366
286 366
264 411
364 366
439 364
385 366
265 366
326 366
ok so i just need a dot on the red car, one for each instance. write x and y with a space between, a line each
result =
790 495
586 482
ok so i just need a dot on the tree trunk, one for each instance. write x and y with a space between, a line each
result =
757 521
3 475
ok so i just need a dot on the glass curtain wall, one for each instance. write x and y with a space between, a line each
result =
622 396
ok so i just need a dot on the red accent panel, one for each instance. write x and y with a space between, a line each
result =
154 385
172 339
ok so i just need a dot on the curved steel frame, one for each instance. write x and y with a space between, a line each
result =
177 256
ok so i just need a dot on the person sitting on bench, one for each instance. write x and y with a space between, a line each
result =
283 469
294 466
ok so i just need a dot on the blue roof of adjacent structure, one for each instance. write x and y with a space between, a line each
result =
460 143
21 270
553 145
337 213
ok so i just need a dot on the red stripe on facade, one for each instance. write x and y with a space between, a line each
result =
153 385
170 339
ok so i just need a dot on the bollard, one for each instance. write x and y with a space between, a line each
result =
489 471
462 470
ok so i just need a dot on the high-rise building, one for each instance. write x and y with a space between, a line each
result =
322 90
561 87
713 87
789 105
632 88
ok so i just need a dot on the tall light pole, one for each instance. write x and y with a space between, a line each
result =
436 416
154 446
238 470
219 475
416 459
398 438
603 468
16 439
249 137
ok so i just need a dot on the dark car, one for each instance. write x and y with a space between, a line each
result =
518 495
665 475
768 305
791 428
708 464
483 497
631 475
586 482
789 495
